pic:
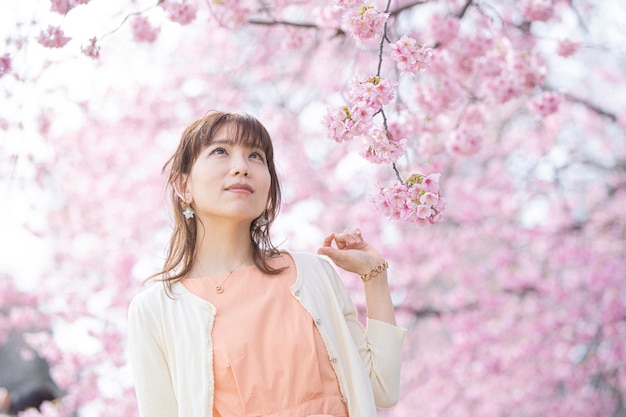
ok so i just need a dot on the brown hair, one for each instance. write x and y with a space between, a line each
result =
245 130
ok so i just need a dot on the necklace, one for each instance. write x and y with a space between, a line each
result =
219 288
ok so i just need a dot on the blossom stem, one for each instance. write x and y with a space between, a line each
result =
382 42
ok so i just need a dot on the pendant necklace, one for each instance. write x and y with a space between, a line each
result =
219 288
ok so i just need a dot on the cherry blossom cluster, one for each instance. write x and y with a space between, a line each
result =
5 64
382 148
410 56
465 141
18 310
343 125
373 92
183 13
53 37
64 6
92 49
366 98
143 31
444 28
538 10
363 22
545 104
417 200
567 48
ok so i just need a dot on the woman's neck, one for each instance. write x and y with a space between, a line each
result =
221 247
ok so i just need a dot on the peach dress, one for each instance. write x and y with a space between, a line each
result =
269 358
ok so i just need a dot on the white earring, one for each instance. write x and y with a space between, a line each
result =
188 212
261 221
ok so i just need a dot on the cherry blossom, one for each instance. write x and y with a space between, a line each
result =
465 141
410 56
566 48
5 65
545 104
383 149
92 49
444 28
183 13
64 6
340 125
539 10
415 201
364 23
520 110
143 31
374 92
53 37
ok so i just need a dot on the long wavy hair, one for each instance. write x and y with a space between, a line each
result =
245 130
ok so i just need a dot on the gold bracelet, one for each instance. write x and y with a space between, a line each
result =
380 268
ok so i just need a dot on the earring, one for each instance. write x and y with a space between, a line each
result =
188 211
261 220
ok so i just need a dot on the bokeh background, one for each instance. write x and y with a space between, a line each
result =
515 302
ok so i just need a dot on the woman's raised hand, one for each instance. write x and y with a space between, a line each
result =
351 252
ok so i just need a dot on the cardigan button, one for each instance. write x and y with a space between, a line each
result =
318 322
344 400
334 360
297 293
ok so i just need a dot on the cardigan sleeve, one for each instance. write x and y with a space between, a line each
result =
151 374
379 345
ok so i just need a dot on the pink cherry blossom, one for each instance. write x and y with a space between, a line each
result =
505 87
410 56
347 4
430 183
339 124
365 23
143 31
64 6
539 10
373 92
183 13
53 37
545 104
92 49
524 268
5 65
405 201
382 149
362 114
430 145
444 29
567 48
231 14
465 141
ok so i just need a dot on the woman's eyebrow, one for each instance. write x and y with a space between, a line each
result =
222 142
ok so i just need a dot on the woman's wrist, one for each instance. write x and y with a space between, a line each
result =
376 270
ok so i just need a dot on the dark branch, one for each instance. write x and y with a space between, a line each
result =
406 7
591 106
282 22
468 3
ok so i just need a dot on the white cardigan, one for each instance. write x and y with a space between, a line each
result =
171 350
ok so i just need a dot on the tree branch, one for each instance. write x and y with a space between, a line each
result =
282 22
468 3
591 106
406 7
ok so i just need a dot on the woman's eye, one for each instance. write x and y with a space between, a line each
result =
257 155
218 151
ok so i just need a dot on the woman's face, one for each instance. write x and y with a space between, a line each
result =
228 180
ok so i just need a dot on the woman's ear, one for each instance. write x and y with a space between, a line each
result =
181 189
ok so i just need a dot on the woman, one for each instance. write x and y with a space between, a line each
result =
239 328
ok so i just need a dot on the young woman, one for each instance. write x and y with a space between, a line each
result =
240 328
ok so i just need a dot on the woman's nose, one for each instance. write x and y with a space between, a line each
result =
239 165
